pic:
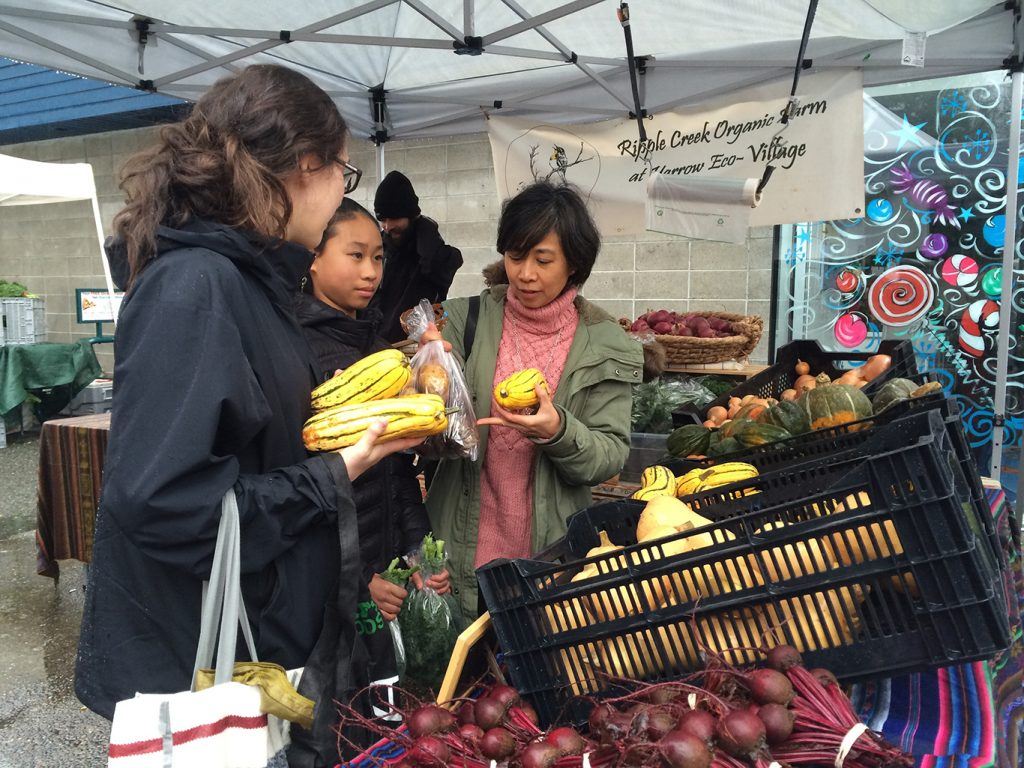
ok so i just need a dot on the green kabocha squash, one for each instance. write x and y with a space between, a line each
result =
893 391
688 440
750 411
788 415
832 405
724 447
752 433
729 428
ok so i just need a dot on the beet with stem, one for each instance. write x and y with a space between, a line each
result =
429 752
698 722
767 686
741 734
680 749
778 722
428 720
782 657
539 754
567 741
497 744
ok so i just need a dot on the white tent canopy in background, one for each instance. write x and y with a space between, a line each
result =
27 182
559 60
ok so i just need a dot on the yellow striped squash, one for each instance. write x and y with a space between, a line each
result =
656 481
380 375
411 416
698 480
517 391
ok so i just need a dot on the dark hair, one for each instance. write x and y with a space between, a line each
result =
226 161
542 207
347 211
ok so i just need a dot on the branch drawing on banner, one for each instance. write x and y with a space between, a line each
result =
558 163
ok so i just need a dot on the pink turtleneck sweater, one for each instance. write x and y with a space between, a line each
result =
530 338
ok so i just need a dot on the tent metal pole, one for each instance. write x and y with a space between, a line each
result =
273 38
122 77
163 28
1006 295
469 17
564 50
413 98
438 21
69 18
536 21
103 253
372 40
1016 66
820 62
197 51
380 162
227 58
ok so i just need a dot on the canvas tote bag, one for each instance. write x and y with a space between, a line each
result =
223 726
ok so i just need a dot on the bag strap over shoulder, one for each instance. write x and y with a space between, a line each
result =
469 334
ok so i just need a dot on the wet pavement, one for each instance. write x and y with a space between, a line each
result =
41 721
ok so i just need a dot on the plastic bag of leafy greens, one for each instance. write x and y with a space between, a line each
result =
396 574
430 624
717 385
654 402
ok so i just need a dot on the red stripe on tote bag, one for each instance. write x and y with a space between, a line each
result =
204 731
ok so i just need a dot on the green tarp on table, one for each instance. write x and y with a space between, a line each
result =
38 366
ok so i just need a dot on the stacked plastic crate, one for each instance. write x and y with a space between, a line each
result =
24 321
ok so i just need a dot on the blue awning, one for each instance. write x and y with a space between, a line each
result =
38 103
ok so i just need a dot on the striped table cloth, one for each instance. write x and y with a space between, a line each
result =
71 454
965 716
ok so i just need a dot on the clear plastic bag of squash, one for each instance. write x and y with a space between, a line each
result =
435 371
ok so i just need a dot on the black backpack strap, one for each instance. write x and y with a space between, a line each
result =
469 334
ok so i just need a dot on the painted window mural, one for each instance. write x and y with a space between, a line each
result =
924 263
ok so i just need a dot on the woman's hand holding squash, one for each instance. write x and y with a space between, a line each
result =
542 425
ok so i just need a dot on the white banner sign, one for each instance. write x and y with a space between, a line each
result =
818 156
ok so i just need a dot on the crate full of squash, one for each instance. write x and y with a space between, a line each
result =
868 565
799 364
820 419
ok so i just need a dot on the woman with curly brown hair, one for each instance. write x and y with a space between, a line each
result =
213 380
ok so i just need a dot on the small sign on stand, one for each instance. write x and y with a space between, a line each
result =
94 305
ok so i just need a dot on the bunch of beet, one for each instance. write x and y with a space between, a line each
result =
679 725
664 322
726 717
498 727
825 723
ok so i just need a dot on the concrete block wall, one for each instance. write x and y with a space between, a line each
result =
52 248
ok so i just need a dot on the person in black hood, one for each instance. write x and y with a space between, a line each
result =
418 264
213 382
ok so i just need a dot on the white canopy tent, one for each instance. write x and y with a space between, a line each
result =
409 68
437 66
27 182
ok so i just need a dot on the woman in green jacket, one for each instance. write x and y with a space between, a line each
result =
534 470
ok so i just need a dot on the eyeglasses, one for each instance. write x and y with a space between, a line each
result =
352 176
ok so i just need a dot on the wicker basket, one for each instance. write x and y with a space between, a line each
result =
440 317
691 350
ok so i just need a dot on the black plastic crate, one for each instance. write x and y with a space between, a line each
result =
911 460
882 432
917 591
777 378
